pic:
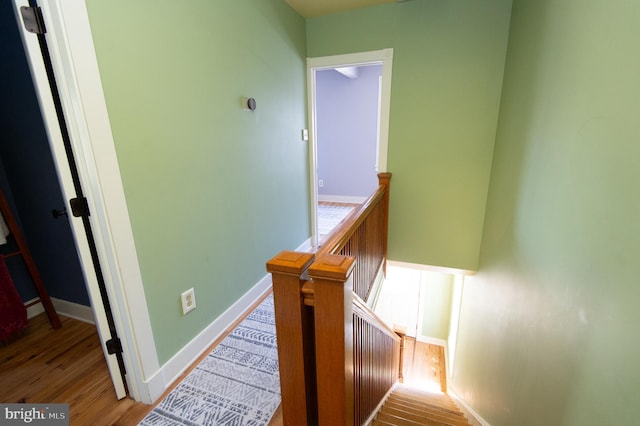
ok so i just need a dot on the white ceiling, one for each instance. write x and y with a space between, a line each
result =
313 8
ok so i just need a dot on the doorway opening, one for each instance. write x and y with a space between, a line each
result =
423 302
349 97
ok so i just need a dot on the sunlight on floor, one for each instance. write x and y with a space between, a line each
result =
423 384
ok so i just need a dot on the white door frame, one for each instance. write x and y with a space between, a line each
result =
75 66
384 57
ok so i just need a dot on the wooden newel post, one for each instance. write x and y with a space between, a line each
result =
333 285
294 328
385 179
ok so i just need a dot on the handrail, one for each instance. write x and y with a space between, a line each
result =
342 233
361 309
363 235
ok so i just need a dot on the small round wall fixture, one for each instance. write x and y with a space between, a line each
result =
251 104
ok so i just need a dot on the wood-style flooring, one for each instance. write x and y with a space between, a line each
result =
64 366
424 366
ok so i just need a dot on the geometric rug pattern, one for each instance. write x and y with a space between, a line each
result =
330 215
237 384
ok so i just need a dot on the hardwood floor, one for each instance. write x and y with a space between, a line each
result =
424 366
64 366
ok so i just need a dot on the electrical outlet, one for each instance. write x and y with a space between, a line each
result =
188 301
320 183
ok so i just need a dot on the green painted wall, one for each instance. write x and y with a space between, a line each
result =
213 190
447 76
548 334
436 293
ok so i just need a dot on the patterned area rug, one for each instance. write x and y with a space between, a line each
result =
237 384
331 215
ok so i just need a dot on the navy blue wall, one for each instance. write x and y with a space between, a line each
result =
28 177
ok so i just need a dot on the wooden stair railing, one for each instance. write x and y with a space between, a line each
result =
377 360
364 235
337 359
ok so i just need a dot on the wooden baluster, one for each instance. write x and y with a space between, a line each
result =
331 275
294 328
402 333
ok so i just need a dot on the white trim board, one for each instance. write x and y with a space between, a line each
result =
384 57
181 361
62 307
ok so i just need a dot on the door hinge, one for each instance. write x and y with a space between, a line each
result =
33 19
114 346
79 207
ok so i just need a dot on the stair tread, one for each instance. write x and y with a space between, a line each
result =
453 415
441 399
420 405
399 421
405 390
408 406
420 418
423 404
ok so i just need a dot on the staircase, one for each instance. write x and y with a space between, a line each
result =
407 406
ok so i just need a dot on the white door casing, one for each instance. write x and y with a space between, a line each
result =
75 67
384 57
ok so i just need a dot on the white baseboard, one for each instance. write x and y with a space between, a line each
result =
69 309
34 310
432 340
348 199
159 382
474 418
305 247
